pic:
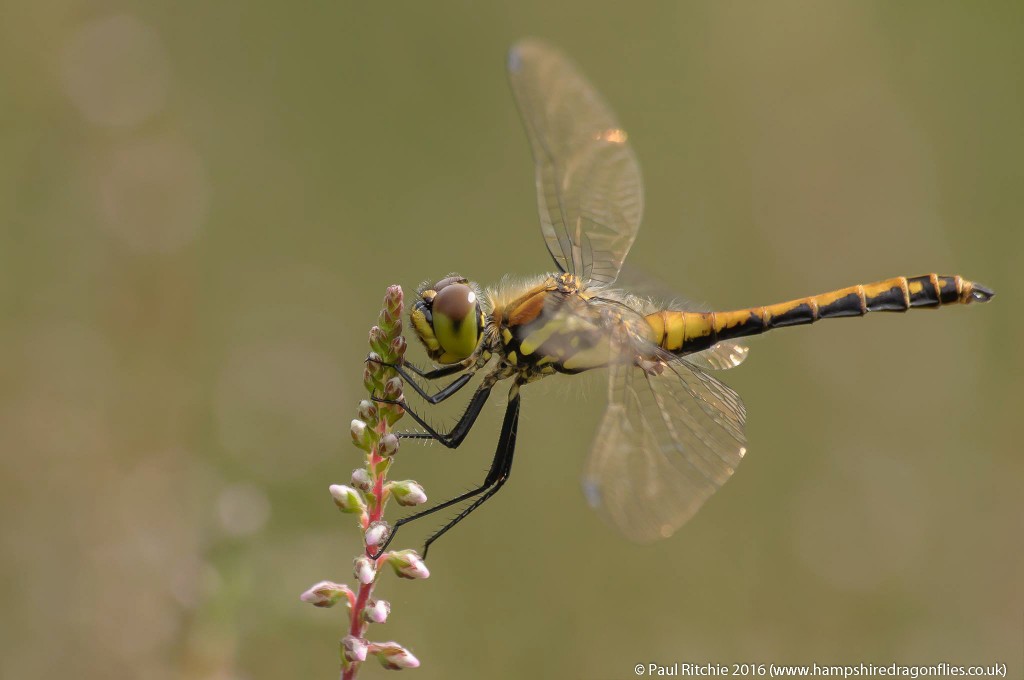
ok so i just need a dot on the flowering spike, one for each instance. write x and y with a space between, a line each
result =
367 496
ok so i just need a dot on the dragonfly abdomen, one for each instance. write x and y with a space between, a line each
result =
684 332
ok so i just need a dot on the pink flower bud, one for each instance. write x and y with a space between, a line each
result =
388 445
327 594
367 411
365 570
377 612
376 533
361 479
408 564
393 389
398 346
354 648
393 656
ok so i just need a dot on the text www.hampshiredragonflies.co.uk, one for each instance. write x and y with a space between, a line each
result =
814 670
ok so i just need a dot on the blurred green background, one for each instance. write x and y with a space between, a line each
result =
202 204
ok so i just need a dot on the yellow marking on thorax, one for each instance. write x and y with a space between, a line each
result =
538 337
593 357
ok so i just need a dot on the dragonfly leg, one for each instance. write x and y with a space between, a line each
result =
435 373
501 466
453 438
443 393
496 476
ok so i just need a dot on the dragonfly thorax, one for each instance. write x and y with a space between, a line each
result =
551 327
448 319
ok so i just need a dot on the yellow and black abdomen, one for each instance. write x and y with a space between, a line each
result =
685 332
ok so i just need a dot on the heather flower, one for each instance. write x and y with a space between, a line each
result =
367 497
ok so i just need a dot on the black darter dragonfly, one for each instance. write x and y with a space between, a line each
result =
672 434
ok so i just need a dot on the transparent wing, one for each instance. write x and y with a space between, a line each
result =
644 289
671 436
589 191
719 357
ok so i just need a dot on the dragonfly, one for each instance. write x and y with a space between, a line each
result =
672 433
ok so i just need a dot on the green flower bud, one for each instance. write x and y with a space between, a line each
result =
379 342
408 564
408 493
363 436
347 499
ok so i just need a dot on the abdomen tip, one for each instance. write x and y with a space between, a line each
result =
980 293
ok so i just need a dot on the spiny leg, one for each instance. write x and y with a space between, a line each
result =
446 391
435 373
501 464
502 460
458 433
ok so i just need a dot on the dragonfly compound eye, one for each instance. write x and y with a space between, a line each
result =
455 321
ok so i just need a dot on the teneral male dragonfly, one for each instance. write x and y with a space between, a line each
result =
672 434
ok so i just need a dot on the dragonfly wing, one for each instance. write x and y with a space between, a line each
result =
669 439
589 191
644 289
724 355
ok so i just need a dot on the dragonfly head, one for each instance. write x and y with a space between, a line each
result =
448 319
